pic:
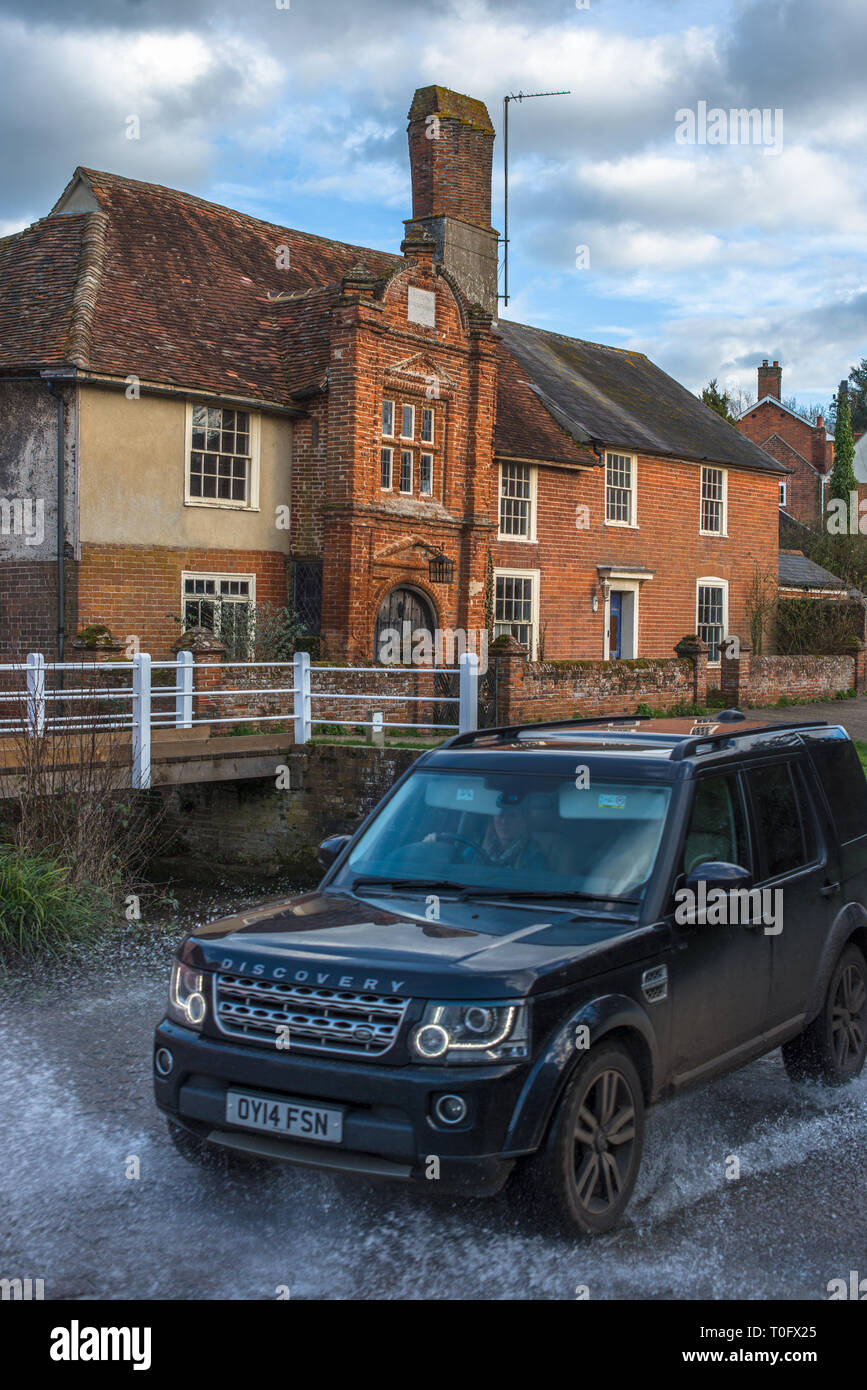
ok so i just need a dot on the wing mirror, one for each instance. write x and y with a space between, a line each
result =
717 874
331 849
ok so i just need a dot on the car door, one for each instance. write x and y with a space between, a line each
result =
720 973
798 874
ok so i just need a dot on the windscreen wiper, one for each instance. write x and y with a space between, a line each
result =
547 894
425 885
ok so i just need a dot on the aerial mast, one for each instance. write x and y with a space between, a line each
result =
514 96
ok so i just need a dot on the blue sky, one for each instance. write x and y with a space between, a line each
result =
707 257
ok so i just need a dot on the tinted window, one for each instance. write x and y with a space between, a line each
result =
717 826
845 785
785 834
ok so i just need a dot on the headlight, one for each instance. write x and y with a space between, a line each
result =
187 997
472 1033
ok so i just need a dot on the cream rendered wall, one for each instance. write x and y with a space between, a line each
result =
131 478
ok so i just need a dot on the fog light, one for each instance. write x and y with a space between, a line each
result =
431 1040
163 1061
450 1109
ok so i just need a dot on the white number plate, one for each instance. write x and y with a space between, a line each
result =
295 1117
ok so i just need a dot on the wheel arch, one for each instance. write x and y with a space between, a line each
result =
609 1018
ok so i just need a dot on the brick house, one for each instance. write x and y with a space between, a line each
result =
806 450
244 412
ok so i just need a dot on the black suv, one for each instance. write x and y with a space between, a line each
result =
539 932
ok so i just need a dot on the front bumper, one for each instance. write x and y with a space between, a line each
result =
389 1125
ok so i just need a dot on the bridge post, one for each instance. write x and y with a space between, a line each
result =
35 694
184 695
302 701
468 707
141 721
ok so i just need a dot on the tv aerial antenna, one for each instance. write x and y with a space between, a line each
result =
514 96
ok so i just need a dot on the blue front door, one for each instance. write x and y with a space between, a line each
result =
614 625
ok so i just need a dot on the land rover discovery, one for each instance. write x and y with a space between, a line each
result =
538 933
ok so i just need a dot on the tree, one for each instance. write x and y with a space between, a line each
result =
720 401
843 479
858 396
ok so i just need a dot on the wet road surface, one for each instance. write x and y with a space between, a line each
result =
76 1106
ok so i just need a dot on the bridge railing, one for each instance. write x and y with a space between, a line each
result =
44 703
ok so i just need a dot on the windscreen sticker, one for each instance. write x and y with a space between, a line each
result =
466 794
618 803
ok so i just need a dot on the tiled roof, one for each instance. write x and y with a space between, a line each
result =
622 399
190 293
526 426
797 572
38 277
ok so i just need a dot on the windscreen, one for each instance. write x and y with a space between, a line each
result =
516 831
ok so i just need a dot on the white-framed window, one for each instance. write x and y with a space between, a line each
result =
712 614
714 489
222 603
516 606
517 502
425 475
620 473
388 419
222 457
784 490
386 457
406 470
407 422
427 426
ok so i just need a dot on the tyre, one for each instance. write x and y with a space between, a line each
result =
582 1177
834 1046
203 1154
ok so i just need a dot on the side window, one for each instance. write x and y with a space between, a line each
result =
844 783
783 823
718 825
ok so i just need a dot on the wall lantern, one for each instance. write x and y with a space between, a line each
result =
441 569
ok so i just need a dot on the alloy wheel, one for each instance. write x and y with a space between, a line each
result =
604 1139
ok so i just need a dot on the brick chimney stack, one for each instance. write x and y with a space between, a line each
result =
822 456
770 380
451 149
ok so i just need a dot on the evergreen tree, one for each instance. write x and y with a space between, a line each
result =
843 474
858 396
720 401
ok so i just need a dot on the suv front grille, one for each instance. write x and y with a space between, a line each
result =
318 1019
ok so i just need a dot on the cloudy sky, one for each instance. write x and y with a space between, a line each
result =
708 257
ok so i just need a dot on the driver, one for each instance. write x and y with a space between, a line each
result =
508 840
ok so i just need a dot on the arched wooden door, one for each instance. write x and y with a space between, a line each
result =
402 605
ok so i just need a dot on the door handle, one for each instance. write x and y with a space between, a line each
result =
829 889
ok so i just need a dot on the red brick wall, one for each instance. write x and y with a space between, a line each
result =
28 608
134 589
808 451
762 680
667 541
582 689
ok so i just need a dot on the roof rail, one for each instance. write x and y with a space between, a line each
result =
505 732
689 745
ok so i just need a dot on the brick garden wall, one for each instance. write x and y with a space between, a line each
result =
761 680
